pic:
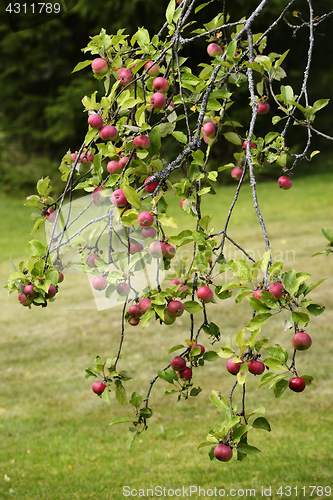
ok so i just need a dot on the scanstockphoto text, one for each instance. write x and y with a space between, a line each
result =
194 491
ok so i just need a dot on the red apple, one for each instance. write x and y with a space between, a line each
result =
118 198
213 49
156 249
123 161
148 232
176 308
256 294
51 292
134 310
301 341
98 387
178 364
141 142
276 289
86 159
29 291
99 283
256 367
201 348
150 188
133 321
236 173
153 69
170 251
186 202
144 305
135 248
95 121
124 76
253 145
145 219
158 101
123 289
73 156
96 196
175 282
284 182
168 319
233 367
160 84
51 215
185 374
99 66
108 133
297 384
61 277
205 294
92 258
209 129
25 301
223 453
263 108
113 167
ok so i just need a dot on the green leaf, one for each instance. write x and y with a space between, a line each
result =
261 423
136 399
131 196
231 50
118 420
89 374
36 248
218 400
106 395
246 448
275 364
321 103
167 220
280 387
287 94
210 356
300 318
313 285
174 348
225 352
142 37
258 320
81 65
297 282
240 338
180 136
155 141
233 138
267 378
327 233
168 375
315 309
120 393
170 11
192 306
253 338
130 217
276 352
288 279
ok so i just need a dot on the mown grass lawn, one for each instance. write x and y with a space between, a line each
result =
55 442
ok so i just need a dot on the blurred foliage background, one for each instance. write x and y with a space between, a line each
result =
40 109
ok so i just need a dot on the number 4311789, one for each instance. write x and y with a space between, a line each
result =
33 8
305 491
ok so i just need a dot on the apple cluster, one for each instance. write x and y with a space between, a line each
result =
31 294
